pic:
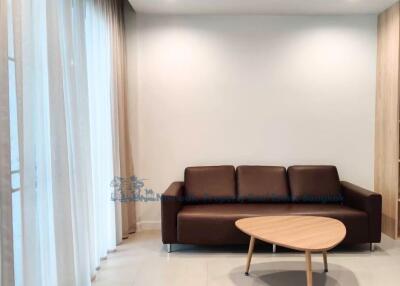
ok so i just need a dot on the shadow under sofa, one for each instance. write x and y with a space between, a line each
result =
203 209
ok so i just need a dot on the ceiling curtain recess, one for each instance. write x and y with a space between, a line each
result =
72 139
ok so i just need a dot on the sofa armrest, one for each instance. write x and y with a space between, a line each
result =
370 202
171 203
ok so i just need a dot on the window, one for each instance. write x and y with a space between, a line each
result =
15 168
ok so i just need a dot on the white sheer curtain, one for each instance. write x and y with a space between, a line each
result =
106 52
68 113
101 96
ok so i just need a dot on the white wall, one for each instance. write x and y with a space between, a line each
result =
264 90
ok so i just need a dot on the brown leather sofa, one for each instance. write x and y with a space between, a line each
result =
202 209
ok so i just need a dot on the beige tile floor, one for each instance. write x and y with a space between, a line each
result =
142 260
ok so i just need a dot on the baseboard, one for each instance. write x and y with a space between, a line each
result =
148 225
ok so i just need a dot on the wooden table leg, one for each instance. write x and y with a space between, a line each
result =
309 269
325 254
249 254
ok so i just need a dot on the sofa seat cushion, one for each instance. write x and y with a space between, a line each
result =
315 184
214 224
262 184
210 184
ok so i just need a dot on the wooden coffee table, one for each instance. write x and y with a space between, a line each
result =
304 233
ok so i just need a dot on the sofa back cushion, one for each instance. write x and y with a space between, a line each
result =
210 184
315 184
262 184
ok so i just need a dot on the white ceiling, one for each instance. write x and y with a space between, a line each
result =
282 7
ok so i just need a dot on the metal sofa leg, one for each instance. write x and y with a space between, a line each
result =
372 247
169 248
274 248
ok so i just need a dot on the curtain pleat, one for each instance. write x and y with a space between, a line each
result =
120 87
